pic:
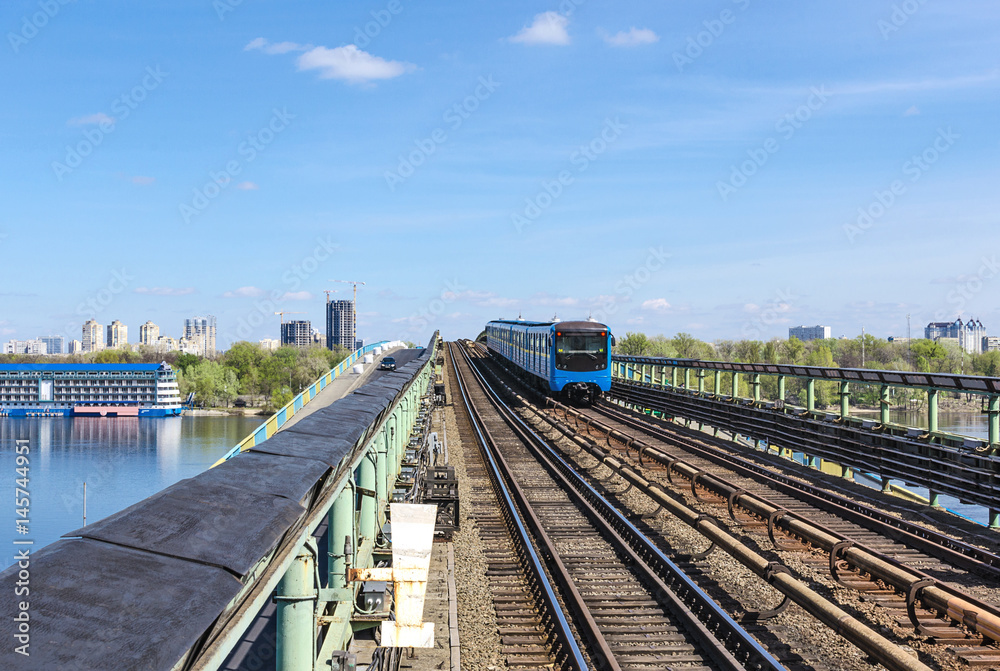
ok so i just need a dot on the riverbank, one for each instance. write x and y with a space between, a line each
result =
225 412
945 404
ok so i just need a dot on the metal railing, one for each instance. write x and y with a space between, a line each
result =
966 468
271 425
635 367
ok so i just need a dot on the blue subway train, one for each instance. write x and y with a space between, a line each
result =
569 359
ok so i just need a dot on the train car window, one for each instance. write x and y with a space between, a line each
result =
581 351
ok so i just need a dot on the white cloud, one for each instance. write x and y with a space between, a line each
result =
498 302
656 305
481 298
546 299
634 37
547 28
91 119
272 48
906 86
244 292
347 63
247 186
164 291
351 64
913 111
296 296
751 307
143 181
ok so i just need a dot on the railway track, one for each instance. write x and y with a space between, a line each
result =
894 573
624 601
935 599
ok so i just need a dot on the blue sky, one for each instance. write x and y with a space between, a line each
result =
726 168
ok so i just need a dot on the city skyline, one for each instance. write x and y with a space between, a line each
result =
299 332
724 173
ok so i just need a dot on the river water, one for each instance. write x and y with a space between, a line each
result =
973 424
122 460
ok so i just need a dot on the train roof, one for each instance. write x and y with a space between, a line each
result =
569 326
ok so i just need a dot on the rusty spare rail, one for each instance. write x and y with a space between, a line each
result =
952 550
932 593
778 576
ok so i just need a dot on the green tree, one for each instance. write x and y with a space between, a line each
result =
206 380
749 351
660 345
988 364
770 351
185 361
687 346
726 350
243 357
633 344
279 398
250 383
821 356
230 386
114 356
926 353
793 350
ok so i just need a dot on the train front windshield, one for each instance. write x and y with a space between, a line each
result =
581 352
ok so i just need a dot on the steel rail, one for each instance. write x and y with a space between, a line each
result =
706 620
562 629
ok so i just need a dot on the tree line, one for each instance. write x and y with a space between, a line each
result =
260 377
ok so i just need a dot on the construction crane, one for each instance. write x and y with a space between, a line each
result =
281 314
355 302
355 288
328 292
